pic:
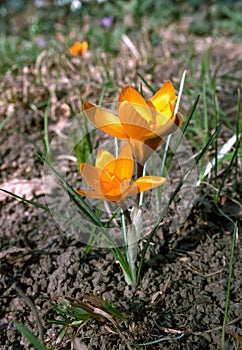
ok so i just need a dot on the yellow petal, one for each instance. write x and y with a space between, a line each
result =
124 165
126 152
135 126
122 191
104 120
91 194
132 190
164 106
103 158
131 95
145 111
170 126
110 167
124 168
162 118
145 183
113 198
109 197
140 151
109 180
91 175
164 99
143 150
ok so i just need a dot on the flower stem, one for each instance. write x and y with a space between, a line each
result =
127 216
140 171
130 239
132 235
132 232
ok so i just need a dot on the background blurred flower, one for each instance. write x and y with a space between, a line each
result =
107 21
78 48
40 41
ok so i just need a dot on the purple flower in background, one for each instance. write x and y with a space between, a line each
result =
107 21
40 41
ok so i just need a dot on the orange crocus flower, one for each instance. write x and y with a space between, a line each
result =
143 124
78 48
110 178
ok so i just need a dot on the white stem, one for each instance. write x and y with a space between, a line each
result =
132 250
180 91
142 193
116 147
133 236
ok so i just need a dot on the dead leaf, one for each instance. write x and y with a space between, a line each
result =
95 300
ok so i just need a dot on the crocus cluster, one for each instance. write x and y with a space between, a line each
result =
143 125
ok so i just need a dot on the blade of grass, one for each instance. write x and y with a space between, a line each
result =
223 151
6 120
28 139
238 131
46 132
30 336
35 204
229 280
83 152
102 96
184 128
165 154
63 323
94 237
146 83
61 335
228 169
175 112
216 113
180 92
205 109
75 198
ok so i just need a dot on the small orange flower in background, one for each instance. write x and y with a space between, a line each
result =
143 124
111 177
78 48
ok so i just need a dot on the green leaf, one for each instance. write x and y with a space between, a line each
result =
109 307
61 335
30 336
5 121
35 204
